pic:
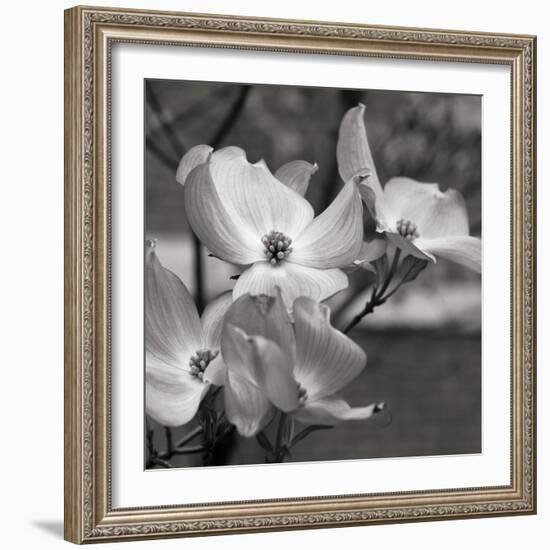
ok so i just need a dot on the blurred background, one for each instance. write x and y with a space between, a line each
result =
424 344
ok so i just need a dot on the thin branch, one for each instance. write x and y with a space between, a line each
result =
162 157
189 450
373 302
402 281
156 460
199 274
377 297
175 141
393 269
169 440
230 118
195 111
217 140
189 437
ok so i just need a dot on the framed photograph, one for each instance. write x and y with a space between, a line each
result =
300 274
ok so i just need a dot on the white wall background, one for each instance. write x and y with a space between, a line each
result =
31 278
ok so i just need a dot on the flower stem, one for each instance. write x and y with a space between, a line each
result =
391 273
280 447
280 430
369 308
199 274
214 427
169 440
404 278
189 450
157 461
377 297
151 451
190 436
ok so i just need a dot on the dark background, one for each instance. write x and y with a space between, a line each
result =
424 345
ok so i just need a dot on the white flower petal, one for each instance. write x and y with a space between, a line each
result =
377 206
332 239
327 360
172 325
216 372
408 248
254 198
246 406
212 319
332 410
353 151
223 235
194 157
237 354
296 175
274 368
172 396
371 251
246 403
294 280
435 213
465 251
264 315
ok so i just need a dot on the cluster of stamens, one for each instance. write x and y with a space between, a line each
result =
302 395
277 246
407 229
200 360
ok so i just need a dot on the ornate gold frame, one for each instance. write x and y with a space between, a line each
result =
89 35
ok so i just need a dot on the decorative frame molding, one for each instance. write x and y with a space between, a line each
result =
89 35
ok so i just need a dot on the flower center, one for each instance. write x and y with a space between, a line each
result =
407 229
302 395
200 360
277 246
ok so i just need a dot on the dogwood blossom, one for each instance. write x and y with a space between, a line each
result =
418 217
247 216
298 368
182 350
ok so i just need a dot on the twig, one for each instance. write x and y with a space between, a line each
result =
161 462
199 274
211 426
195 111
280 450
162 157
391 273
398 285
189 437
369 308
189 450
175 141
230 118
377 297
216 141
169 440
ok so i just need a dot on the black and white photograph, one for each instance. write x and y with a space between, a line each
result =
312 262
272 275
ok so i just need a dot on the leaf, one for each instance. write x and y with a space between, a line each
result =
381 269
261 438
411 267
306 431
289 430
